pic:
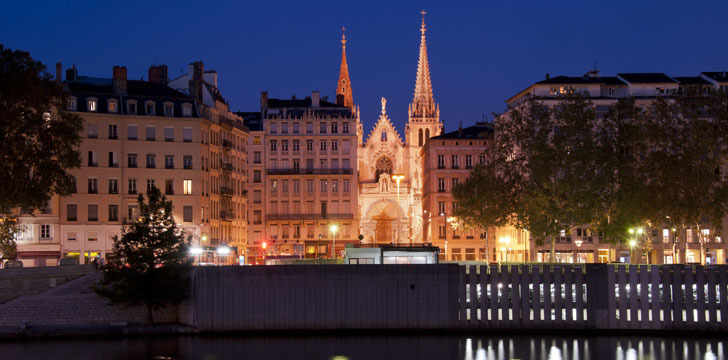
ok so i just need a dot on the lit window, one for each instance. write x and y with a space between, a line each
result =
187 187
113 107
91 104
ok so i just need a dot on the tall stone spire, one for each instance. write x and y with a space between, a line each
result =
344 96
423 105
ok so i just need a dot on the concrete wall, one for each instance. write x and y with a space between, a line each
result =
19 282
323 297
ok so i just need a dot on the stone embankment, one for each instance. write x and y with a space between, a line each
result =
19 282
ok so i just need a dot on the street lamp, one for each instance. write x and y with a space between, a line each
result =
397 178
505 240
333 229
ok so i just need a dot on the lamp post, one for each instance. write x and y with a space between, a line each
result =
333 229
397 178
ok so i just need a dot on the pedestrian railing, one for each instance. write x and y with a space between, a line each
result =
595 296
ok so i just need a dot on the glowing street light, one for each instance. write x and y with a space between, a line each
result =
196 250
223 250
333 229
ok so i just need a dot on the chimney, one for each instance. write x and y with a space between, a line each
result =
315 99
154 74
197 69
547 76
72 74
59 72
263 100
592 74
119 80
163 75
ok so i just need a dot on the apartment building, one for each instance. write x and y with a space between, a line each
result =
583 245
310 193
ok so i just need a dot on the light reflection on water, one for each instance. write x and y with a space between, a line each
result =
370 347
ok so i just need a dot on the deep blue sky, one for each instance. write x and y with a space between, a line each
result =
481 52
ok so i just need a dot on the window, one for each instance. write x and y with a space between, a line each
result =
187 213
92 104
334 186
186 134
93 130
132 186
151 161
324 185
440 161
169 161
273 145
93 185
132 211
296 186
92 236
187 161
323 146
455 182
72 104
284 128
71 212
151 133
150 108
186 110
335 164
296 128
309 145
309 186
45 232
169 187
187 186
454 161
441 231
168 109
113 186
323 208
296 165
150 185
309 128
113 159
296 145
345 128
334 145
481 159
322 128
93 159
131 132
468 161
665 235
273 186
131 160
257 157
131 107
347 186
257 176
284 145
441 184
169 133
113 212
71 236
113 132
257 197
384 136
284 185
93 212
334 128
441 208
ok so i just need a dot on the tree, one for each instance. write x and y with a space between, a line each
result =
150 265
8 229
39 139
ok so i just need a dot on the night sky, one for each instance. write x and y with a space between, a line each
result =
480 52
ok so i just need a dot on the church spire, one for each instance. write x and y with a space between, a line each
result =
423 105
344 97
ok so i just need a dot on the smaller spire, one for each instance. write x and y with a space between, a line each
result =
422 28
344 95
343 36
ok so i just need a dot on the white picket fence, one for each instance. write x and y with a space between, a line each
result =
596 296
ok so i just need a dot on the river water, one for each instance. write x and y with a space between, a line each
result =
369 347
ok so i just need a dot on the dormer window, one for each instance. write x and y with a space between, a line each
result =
186 110
131 107
149 108
168 109
113 106
72 104
92 104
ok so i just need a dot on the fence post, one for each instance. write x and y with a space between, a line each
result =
597 288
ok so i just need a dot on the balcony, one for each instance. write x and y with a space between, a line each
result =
227 215
226 191
309 216
227 167
325 171
227 144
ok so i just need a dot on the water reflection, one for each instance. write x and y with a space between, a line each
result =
369 347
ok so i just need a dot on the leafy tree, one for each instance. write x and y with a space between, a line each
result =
8 248
39 139
150 265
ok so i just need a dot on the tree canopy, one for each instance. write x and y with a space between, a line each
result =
149 265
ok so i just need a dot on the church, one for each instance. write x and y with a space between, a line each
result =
389 166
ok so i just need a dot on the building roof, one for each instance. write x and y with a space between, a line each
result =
297 107
480 130
608 80
720 76
646 78
252 120
87 84
691 80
